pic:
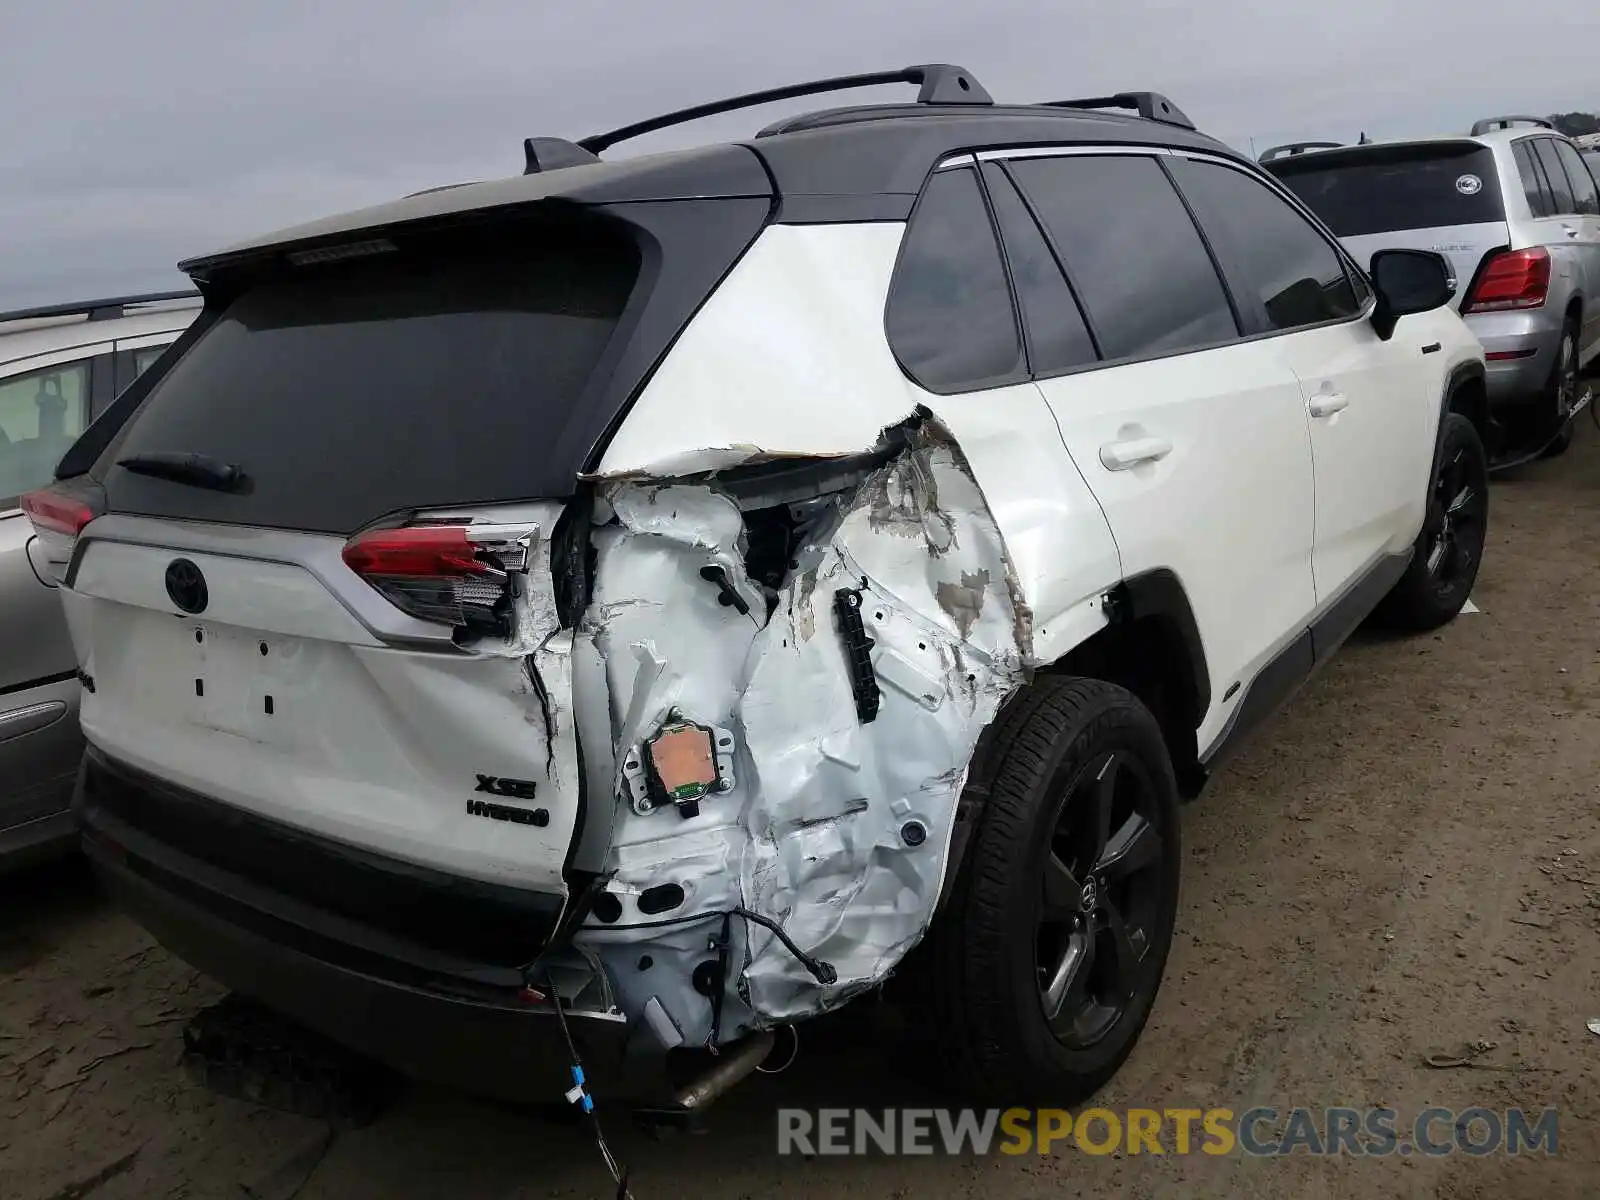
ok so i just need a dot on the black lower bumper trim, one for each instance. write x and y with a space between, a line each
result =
450 915
501 1049
419 970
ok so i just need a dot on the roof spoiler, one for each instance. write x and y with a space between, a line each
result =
1292 149
1490 124
97 310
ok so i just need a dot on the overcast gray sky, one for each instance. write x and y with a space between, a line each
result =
137 134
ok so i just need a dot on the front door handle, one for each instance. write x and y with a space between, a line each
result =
1119 456
1325 404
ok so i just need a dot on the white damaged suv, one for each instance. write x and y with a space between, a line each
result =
677 589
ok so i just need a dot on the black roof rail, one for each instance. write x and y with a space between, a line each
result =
97 310
940 83
1490 124
1290 149
1152 106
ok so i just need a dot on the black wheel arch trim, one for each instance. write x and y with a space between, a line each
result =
1160 595
1157 594
1459 377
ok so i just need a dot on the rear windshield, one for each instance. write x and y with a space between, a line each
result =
1388 188
431 375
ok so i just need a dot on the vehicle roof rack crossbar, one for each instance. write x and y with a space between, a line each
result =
549 154
939 83
1152 106
1490 124
96 310
1289 149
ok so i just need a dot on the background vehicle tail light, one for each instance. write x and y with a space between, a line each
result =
462 575
58 515
1511 279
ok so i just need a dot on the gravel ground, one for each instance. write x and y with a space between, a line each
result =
1407 861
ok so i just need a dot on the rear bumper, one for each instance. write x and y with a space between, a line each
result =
451 1020
1530 339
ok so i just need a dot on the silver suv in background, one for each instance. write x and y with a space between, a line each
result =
1591 157
60 368
1516 210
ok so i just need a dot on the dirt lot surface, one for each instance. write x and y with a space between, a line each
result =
1406 862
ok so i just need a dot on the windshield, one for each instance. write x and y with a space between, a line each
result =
1384 189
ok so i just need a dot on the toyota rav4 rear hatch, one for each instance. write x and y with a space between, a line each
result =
1443 196
310 576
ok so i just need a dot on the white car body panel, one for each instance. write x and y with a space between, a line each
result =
1372 412
1238 474
366 743
813 349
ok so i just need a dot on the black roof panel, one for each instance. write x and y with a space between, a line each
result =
864 160
890 148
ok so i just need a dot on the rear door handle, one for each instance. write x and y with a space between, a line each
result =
1569 231
1119 456
1325 404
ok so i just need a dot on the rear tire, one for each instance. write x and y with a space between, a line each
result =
1561 393
1449 550
1048 912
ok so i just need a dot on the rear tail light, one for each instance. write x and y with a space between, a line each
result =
58 515
463 575
1511 279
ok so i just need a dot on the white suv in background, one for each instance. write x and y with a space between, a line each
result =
60 366
674 595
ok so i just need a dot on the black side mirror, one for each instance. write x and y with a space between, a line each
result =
1406 282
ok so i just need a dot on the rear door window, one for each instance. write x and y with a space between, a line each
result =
1132 252
1058 338
434 375
41 415
1560 189
1386 189
1583 188
950 319
1273 256
1533 181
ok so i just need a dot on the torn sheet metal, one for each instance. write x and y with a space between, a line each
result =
834 828
852 823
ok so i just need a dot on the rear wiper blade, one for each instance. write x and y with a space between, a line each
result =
198 470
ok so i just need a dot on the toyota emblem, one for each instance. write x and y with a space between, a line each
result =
187 586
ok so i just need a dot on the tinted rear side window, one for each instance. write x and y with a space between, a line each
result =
1560 189
432 376
1058 340
1532 176
1390 188
1583 188
949 317
1131 250
1280 260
